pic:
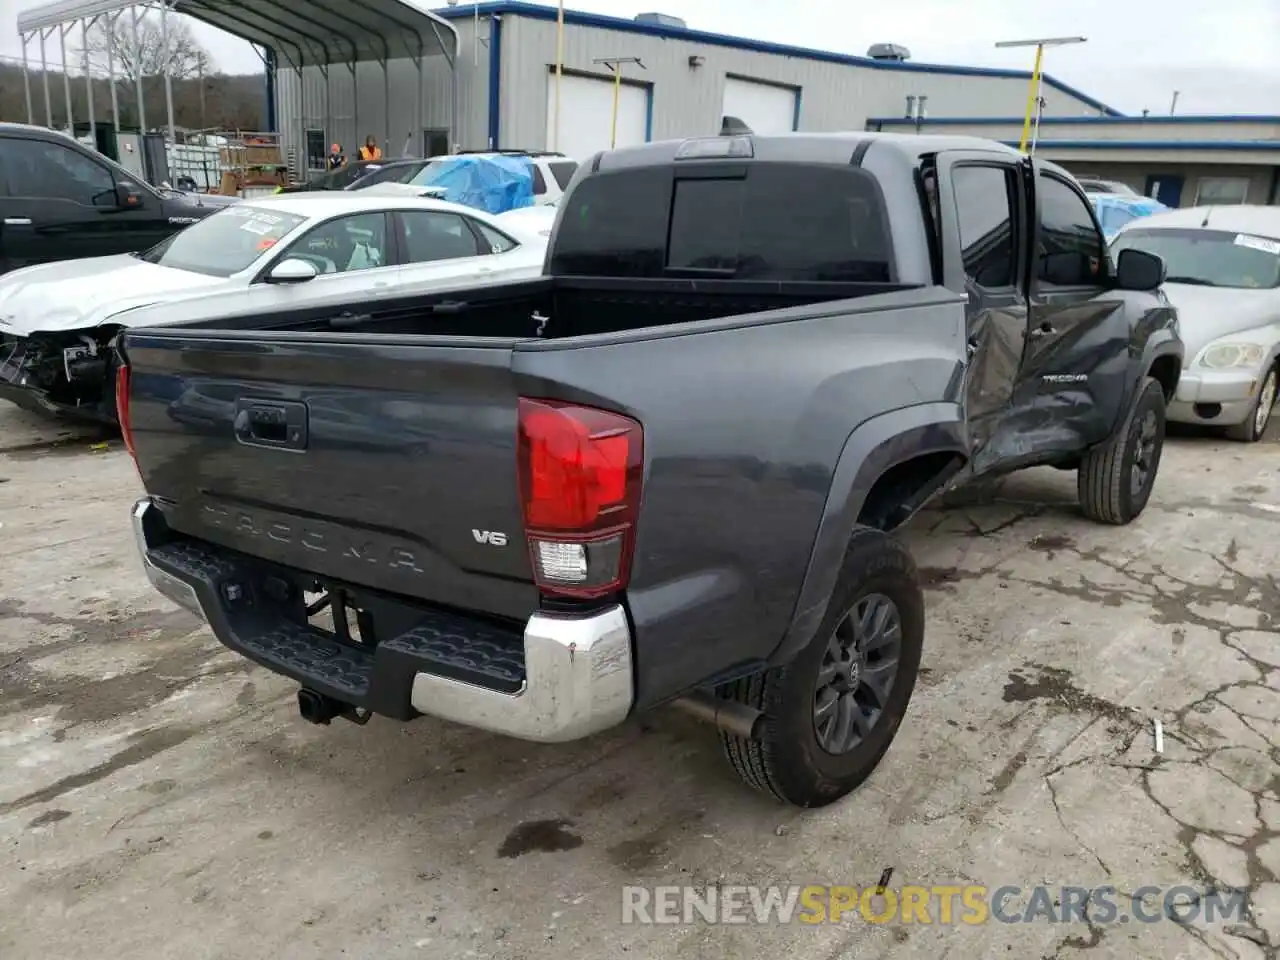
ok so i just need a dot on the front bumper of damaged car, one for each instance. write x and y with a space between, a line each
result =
1223 397
559 677
63 375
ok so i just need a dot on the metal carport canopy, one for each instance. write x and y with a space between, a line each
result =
317 33
311 33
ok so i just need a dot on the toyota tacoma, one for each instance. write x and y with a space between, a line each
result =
667 471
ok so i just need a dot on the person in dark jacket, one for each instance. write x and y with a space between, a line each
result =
336 157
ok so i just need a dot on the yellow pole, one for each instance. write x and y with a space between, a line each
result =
1031 98
555 128
617 92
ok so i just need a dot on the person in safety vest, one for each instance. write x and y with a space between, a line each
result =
370 149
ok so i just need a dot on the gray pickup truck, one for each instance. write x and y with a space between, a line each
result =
667 470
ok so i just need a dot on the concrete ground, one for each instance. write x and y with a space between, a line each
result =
159 796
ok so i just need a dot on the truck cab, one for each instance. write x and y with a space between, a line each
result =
60 200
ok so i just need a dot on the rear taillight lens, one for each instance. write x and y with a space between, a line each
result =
122 406
580 477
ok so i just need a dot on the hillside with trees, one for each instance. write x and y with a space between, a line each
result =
203 97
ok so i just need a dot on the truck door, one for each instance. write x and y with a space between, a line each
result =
983 219
1075 367
62 205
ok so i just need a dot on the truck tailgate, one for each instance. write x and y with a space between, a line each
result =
390 461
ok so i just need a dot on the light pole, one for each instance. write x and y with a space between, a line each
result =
615 64
555 121
1033 95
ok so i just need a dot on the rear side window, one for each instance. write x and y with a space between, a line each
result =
779 222
539 182
563 171
985 216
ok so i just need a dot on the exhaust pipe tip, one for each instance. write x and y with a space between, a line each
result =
734 718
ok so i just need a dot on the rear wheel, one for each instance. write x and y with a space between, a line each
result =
1117 476
1255 425
831 713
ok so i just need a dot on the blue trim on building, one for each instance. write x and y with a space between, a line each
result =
538 12
648 113
1046 121
495 82
269 67
1267 145
795 119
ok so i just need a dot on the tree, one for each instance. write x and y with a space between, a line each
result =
111 42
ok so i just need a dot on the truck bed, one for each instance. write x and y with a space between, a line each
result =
556 307
376 459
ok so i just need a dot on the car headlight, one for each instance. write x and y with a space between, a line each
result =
1227 356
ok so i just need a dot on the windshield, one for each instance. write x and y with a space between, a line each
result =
1210 258
427 173
224 243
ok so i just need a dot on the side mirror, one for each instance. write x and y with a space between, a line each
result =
127 196
1139 270
292 270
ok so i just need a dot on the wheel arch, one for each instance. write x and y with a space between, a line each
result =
889 466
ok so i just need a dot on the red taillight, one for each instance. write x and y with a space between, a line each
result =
580 474
122 406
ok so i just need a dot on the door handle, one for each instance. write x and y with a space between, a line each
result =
17 221
278 424
1044 330
449 306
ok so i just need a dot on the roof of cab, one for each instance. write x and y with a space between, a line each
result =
808 148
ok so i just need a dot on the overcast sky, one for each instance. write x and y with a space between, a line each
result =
1222 55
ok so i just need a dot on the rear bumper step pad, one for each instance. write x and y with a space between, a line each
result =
563 678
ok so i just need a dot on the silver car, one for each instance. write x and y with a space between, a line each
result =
1224 278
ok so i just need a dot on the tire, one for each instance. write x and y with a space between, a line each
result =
789 760
1255 425
1110 491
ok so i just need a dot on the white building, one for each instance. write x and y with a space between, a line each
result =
483 76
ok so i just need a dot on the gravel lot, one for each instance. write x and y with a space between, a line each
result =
161 798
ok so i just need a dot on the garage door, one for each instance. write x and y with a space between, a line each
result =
586 110
761 106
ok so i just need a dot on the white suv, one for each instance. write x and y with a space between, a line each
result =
551 174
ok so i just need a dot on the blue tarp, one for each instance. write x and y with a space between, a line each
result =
1114 210
494 184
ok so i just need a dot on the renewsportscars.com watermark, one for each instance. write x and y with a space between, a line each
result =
942 905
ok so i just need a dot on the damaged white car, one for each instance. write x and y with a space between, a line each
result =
1224 277
58 320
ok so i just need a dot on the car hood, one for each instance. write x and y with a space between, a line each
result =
72 294
202 204
1206 314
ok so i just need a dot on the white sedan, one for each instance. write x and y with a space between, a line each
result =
538 219
1224 277
300 250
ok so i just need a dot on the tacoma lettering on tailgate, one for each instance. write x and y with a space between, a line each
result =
243 522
